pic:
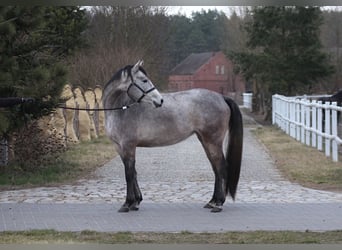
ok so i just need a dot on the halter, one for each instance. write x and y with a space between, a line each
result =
130 88
137 87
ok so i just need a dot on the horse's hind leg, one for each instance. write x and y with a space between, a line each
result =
217 200
216 158
219 195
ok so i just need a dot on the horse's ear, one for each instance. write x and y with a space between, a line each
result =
136 67
124 75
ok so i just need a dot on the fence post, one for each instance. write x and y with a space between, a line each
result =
307 122
247 101
286 123
314 124
319 126
274 108
287 116
281 114
334 132
292 119
327 128
302 121
298 128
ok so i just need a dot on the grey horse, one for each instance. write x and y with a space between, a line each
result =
149 119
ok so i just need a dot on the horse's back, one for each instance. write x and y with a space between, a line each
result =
196 98
200 109
201 102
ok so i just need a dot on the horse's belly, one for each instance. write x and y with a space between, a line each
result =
163 139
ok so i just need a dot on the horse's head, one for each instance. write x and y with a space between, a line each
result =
138 86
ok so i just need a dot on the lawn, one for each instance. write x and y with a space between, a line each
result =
256 237
300 163
78 161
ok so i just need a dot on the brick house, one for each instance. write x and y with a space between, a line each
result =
209 70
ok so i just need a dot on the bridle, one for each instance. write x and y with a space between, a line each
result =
137 87
135 100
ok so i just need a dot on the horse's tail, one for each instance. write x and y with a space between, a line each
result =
234 149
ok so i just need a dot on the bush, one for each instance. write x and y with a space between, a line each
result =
34 148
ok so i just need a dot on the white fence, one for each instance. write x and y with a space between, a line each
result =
247 100
311 122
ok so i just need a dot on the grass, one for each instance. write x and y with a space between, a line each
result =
299 163
256 237
78 161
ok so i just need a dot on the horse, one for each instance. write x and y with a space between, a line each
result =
337 97
148 119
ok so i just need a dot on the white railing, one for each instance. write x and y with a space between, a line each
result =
247 101
311 122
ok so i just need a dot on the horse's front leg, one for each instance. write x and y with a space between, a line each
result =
133 194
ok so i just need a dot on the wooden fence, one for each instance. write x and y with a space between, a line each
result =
309 121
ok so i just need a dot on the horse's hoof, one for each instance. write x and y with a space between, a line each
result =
123 209
216 209
209 205
134 207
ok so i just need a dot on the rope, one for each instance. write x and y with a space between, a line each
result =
98 109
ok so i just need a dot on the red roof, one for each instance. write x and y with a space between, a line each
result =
192 63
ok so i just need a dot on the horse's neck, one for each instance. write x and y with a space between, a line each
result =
114 98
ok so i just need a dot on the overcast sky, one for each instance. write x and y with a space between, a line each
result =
187 10
228 10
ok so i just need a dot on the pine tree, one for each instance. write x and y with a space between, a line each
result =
285 41
285 55
204 32
34 43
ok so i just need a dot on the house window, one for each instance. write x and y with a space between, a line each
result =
222 70
217 69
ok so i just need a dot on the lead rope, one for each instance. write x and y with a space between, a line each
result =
103 109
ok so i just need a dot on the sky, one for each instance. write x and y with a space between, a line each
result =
187 10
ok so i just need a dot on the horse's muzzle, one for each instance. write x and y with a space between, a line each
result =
158 105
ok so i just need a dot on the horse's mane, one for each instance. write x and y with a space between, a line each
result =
117 75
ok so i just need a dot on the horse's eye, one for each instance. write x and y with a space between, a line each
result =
145 81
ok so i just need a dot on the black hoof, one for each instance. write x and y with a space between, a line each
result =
134 206
124 209
216 209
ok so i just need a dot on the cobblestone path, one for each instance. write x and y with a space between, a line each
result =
180 173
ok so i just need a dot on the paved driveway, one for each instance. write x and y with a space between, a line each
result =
176 181
180 173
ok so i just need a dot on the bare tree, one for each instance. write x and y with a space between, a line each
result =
118 36
331 36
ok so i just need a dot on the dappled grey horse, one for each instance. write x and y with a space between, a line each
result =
148 119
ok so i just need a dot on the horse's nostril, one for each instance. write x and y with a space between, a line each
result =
158 105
